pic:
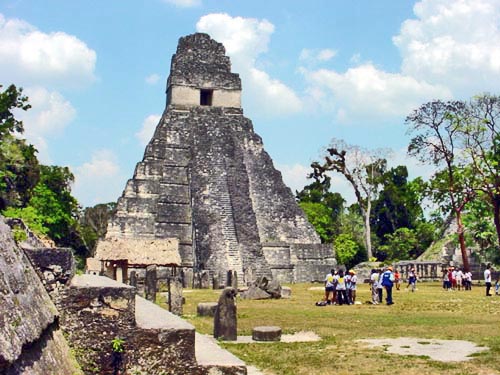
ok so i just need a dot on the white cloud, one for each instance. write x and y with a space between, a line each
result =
152 79
245 39
184 3
294 176
367 92
326 54
312 56
147 129
31 57
98 180
49 115
450 50
454 43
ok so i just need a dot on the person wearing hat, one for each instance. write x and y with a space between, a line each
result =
387 283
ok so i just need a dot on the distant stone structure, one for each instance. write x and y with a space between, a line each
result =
206 181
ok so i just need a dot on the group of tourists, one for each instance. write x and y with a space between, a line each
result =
340 287
457 279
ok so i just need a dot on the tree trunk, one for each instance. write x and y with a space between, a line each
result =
368 232
461 240
496 216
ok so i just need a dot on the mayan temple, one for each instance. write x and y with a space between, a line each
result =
207 185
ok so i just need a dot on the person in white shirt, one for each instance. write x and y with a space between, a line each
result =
459 277
354 280
374 284
487 280
329 287
341 288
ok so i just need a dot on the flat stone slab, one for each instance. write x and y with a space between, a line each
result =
302 336
151 316
206 308
266 333
438 350
209 353
94 281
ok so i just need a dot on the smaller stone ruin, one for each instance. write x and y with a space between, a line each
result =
263 288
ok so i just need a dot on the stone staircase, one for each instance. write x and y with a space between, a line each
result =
223 201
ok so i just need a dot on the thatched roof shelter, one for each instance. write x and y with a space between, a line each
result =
140 251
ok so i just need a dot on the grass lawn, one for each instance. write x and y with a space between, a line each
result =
429 313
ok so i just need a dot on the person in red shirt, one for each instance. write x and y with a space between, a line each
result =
397 279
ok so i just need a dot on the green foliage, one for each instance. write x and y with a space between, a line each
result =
19 168
10 99
400 244
398 204
345 249
19 171
93 223
319 216
31 218
118 345
39 195
53 201
19 235
322 208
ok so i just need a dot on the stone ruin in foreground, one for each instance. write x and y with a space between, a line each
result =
207 182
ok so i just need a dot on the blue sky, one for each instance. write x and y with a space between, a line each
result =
95 72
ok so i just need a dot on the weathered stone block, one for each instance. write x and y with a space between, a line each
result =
175 298
182 231
172 193
254 292
150 283
174 213
266 333
286 292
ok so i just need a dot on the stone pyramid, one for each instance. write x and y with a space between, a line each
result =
206 180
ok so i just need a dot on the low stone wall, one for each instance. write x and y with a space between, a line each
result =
97 310
54 266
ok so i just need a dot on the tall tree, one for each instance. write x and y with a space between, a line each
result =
11 99
435 126
94 223
362 169
398 204
481 142
19 169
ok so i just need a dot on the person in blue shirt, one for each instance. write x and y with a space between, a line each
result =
387 283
